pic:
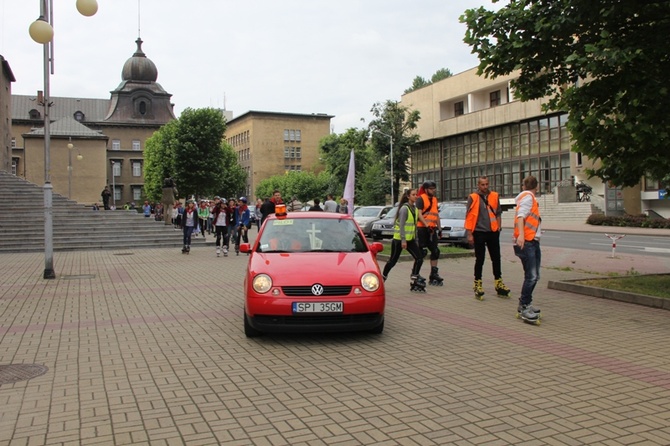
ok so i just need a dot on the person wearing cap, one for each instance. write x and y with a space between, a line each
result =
429 232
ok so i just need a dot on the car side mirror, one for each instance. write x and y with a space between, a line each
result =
376 247
245 247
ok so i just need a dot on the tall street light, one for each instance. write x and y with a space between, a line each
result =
41 31
390 137
113 187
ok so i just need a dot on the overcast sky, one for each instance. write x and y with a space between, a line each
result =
300 56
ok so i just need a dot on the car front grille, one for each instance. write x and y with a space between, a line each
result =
329 319
307 291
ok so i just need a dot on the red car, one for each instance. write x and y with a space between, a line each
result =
312 271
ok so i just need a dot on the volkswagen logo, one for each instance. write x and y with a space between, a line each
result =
317 289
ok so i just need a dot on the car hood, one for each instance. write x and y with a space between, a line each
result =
300 268
364 220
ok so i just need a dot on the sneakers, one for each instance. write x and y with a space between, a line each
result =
225 251
501 288
218 251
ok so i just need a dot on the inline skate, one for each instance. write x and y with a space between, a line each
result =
417 284
528 314
501 289
478 289
434 278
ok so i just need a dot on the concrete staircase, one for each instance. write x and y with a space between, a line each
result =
75 226
573 212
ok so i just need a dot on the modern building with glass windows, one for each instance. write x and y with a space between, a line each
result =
472 126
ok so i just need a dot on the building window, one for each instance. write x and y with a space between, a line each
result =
286 135
15 165
137 169
458 108
579 159
137 193
34 114
116 144
143 108
13 143
298 135
297 153
495 98
117 193
136 144
79 116
116 169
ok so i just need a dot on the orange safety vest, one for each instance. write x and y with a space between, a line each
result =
532 220
430 212
473 212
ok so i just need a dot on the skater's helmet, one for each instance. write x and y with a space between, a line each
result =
429 185
243 199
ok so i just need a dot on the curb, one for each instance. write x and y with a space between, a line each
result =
572 286
409 258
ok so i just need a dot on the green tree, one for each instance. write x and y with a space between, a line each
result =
159 160
440 74
191 151
304 185
618 115
418 82
369 189
397 123
335 153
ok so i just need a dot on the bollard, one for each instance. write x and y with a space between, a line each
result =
614 238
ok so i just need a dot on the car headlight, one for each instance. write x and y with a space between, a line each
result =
376 226
370 282
262 283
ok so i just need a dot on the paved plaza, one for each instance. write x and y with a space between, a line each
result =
146 347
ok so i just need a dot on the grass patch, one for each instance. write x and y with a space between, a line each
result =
443 249
650 285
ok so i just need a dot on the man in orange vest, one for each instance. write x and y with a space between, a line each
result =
429 232
527 234
482 223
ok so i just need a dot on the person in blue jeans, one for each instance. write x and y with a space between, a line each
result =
527 234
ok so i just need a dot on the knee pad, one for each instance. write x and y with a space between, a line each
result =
434 253
424 253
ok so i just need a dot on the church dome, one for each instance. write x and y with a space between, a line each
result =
139 67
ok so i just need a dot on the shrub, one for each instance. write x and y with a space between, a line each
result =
626 220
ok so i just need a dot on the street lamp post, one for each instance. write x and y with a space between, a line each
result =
41 31
113 187
390 137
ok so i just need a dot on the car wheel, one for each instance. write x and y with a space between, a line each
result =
250 331
378 329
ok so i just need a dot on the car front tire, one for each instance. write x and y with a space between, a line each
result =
250 331
378 329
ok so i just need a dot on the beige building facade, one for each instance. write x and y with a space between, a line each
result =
472 126
6 79
273 143
94 142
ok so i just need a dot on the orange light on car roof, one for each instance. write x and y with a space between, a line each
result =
280 211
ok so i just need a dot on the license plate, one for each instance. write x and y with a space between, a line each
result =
387 232
318 307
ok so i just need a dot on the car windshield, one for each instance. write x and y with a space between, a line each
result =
311 235
391 213
453 212
366 212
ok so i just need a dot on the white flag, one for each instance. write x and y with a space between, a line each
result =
349 186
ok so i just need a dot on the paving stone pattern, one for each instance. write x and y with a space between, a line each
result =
148 348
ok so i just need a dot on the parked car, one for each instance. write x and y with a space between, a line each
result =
365 216
312 271
452 222
383 228
252 214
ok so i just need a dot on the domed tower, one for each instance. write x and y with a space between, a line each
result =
139 98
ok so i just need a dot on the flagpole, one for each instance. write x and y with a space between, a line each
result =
349 188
